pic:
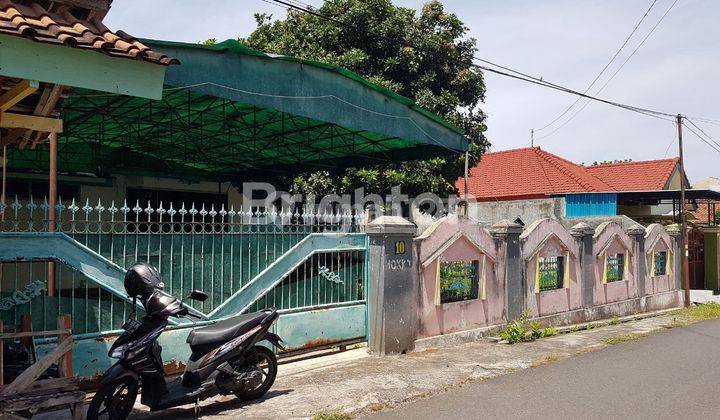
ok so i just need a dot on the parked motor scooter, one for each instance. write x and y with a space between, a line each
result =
225 358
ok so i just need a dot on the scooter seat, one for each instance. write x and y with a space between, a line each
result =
224 331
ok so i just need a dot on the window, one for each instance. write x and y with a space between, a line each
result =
458 281
660 268
551 273
615 268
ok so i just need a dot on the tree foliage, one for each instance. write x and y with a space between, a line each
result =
426 56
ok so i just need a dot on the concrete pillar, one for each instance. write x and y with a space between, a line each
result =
392 296
675 231
584 233
507 236
637 232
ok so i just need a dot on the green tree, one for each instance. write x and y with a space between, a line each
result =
425 56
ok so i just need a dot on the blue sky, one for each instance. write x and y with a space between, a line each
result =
564 41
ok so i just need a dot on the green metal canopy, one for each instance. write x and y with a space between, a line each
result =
230 112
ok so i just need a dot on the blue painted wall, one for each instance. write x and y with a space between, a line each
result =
585 205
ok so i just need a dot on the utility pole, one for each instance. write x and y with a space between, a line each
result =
467 185
532 137
684 254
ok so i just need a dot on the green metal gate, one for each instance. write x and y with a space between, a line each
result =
311 266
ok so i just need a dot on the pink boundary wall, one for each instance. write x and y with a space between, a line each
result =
458 239
610 238
657 239
547 238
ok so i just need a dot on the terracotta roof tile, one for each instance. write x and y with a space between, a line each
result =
534 173
705 211
528 173
636 176
62 28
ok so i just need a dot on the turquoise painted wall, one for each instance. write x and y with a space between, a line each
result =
320 326
589 205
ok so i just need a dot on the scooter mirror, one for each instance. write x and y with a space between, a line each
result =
198 295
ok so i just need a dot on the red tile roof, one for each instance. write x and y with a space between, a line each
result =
61 27
647 175
704 212
534 173
527 173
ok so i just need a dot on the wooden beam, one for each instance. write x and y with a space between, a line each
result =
36 369
31 122
17 93
80 68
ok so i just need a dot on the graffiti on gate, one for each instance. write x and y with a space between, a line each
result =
329 275
19 297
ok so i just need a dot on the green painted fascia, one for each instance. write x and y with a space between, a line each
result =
26 59
312 90
238 47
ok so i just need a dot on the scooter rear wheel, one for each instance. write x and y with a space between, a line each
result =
266 362
114 401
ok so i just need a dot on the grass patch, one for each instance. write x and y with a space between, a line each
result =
622 338
696 313
331 415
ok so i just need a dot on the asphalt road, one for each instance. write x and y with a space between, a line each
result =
668 375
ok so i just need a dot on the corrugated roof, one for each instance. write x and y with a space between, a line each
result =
636 176
61 27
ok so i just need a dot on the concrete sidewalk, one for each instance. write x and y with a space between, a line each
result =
354 382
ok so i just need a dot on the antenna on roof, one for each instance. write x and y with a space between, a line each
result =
532 137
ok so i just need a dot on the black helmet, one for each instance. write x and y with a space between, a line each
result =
142 280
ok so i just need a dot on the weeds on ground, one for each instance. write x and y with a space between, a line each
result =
378 406
696 313
614 321
515 331
547 359
622 338
331 415
520 330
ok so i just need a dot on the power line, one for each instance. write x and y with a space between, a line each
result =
637 48
509 71
703 132
706 120
701 138
642 19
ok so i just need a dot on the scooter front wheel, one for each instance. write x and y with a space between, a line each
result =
114 401
264 360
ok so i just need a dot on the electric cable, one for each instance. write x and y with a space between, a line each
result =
612 60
